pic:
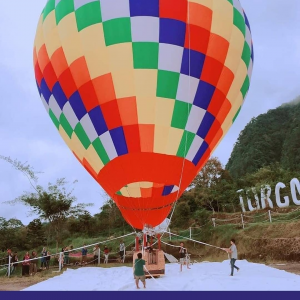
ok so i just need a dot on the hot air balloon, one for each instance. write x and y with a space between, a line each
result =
143 91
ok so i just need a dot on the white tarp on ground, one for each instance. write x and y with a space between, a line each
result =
213 276
171 258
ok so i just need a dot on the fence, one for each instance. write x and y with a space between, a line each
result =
241 220
59 256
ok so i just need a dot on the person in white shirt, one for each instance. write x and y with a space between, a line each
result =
233 253
122 251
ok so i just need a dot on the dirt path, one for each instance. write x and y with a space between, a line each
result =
289 267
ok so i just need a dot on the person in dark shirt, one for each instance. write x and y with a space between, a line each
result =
139 273
182 255
84 254
33 264
48 257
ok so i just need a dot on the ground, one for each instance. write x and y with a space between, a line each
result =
18 283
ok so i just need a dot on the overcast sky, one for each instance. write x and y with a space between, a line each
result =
28 134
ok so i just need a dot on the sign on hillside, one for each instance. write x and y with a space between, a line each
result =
265 194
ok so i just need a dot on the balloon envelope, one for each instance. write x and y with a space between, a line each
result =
142 91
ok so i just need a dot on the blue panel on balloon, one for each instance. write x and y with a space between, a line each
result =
59 95
45 90
252 53
204 94
40 92
200 153
205 125
247 21
77 105
172 32
192 63
118 138
144 8
167 190
98 120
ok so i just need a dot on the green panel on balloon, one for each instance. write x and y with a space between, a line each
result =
245 86
50 6
180 114
82 136
53 118
145 55
92 10
63 8
167 84
117 31
239 21
66 125
185 144
246 56
101 151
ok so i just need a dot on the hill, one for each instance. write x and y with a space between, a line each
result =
268 139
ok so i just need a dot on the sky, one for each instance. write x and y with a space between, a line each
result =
28 134
204 276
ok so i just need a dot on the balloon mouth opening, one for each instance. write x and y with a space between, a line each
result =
146 189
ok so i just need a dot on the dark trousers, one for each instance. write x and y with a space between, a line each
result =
95 259
232 262
25 270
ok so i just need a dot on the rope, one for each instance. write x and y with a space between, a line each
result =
197 241
189 95
225 220
155 279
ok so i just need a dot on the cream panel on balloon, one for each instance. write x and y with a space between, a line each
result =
52 39
235 107
164 108
39 38
77 147
235 89
207 3
70 38
235 50
92 38
161 134
65 137
120 57
93 159
173 141
222 19
145 83
146 109
124 83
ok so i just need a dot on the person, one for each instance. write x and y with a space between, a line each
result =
84 254
182 256
43 258
139 273
96 254
48 257
61 259
151 255
106 251
122 251
33 264
233 253
26 264
14 262
8 259
67 256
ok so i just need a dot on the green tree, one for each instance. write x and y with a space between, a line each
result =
54 205
35 234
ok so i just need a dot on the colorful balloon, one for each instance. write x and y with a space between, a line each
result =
142 91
